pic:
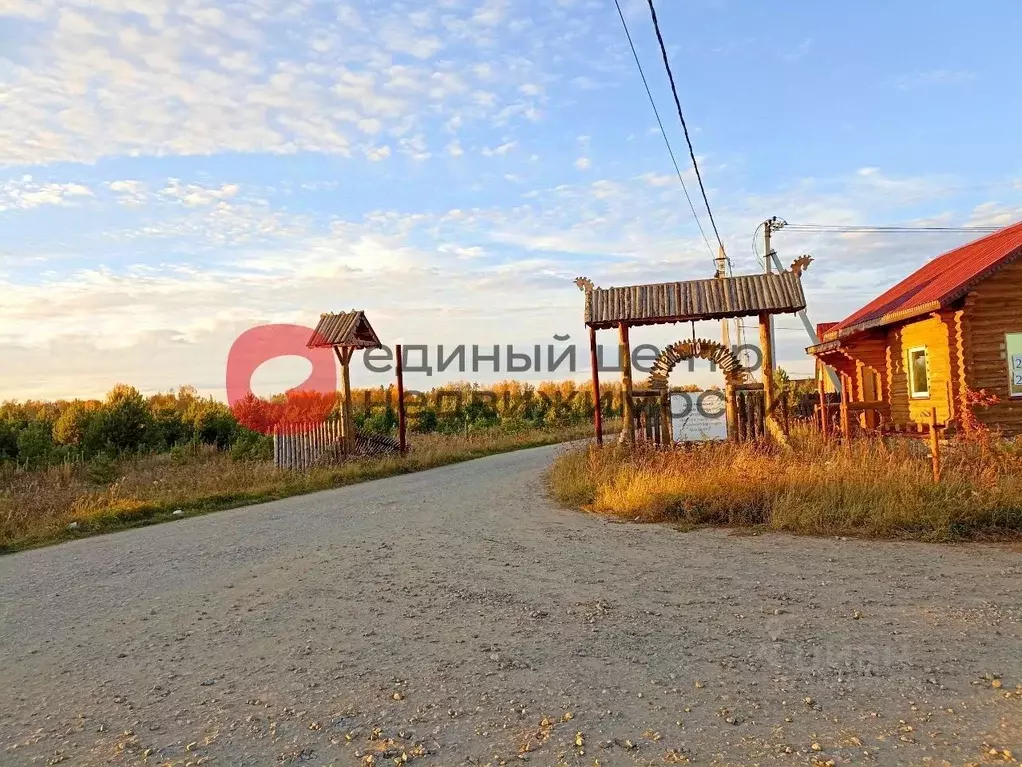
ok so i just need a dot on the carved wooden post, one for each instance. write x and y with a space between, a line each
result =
731 411
846 421
347 425
666 425
821 388
597 405
935 444
401 427
767 349
626 379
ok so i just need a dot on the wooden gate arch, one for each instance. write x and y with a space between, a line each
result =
700 348
743 401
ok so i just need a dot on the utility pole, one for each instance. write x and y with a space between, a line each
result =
770 226
725 330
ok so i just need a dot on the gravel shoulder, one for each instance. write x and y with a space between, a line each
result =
457 616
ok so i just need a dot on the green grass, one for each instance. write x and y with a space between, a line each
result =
36 508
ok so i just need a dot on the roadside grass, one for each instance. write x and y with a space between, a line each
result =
874 488
37 507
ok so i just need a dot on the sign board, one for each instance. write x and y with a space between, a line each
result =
699 416
1014 344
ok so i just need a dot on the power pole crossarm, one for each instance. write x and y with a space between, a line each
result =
810 330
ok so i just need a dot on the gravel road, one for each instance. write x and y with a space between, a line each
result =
456 616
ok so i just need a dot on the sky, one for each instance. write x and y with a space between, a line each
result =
175 172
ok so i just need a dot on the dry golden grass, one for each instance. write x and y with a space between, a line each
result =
873 488
37 507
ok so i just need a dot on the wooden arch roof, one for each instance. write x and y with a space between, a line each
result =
694 300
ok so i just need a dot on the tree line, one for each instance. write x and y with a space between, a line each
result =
35 434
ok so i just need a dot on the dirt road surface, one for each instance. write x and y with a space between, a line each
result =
458 617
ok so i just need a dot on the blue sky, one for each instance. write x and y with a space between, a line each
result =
173 173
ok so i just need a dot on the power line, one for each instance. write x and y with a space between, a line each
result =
850 229
660 122
681 115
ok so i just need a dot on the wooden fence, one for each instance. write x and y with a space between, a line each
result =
302 446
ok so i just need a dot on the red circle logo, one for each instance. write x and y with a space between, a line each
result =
305 405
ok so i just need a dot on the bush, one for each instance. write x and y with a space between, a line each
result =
215 425
383 421
121 424
252 446
182 454
8 441
102 470
35 445
72 425
424 420
168 429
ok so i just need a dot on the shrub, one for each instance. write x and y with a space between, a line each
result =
35 445
252 446
121 424
215 425
8 441
424 420
102 470
72 425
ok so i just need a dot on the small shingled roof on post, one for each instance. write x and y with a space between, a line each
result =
344 329
345 333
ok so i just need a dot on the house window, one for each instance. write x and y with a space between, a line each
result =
1014 346
918 380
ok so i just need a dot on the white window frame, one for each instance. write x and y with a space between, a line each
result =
1011 368
911 373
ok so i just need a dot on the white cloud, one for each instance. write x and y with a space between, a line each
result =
491 12
583 163
114 78
26 193
454 149
501 150
194 195
660 180
271 266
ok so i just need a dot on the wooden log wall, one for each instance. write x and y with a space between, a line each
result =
992 310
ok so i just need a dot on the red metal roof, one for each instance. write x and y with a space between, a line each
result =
942 281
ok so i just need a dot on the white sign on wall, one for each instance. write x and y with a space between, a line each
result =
1014 344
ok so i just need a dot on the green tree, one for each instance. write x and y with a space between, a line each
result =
214 424
35 445
72 425
121 424
8 441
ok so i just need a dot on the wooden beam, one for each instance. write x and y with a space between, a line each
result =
626 379
766 346
401 427
666 421
731 411
347 419
821 388
846 421
597 405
